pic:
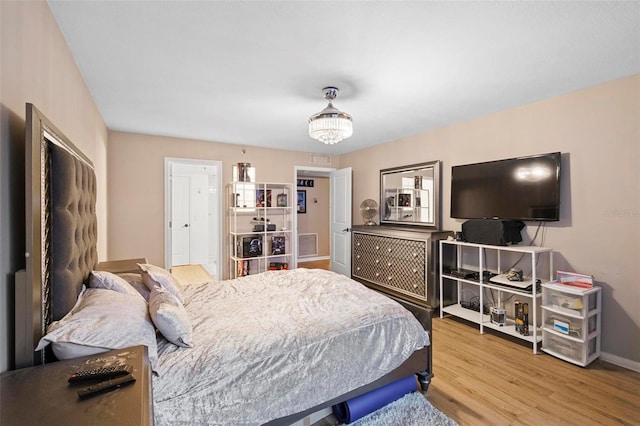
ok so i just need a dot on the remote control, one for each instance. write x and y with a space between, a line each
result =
106 386
100 373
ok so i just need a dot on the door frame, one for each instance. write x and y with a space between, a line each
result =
217 224
317 171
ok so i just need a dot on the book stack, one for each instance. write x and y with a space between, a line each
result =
575 280
277 266
522 317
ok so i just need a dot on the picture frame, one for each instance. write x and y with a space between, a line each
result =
404 200
277 245
281 200
302 201
251 246
263 198
308 183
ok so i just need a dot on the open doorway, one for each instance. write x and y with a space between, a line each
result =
193 203
313 219
323 223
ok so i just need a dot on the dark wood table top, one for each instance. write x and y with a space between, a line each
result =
41 395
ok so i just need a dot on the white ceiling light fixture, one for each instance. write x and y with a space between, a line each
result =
330 125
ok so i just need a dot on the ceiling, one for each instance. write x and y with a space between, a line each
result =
252 72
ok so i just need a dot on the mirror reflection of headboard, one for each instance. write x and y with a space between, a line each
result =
61 232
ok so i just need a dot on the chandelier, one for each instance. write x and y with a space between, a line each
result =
330 125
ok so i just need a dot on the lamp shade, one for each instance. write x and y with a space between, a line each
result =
330 125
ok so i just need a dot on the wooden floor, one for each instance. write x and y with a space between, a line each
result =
315 264
492 379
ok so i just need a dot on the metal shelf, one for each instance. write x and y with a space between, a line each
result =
478 260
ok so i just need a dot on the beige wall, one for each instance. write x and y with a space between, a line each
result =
597 131
136 185
317 218
36 67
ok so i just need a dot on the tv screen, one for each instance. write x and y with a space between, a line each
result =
525 188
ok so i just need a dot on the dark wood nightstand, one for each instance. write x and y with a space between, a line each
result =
41 395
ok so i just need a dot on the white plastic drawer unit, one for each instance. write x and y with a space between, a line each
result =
569 303
571 326
570 350
571 322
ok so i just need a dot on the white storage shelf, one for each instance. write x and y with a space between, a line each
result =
259 204
534 296
571 323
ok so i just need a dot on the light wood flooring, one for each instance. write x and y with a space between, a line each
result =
316 264
492 379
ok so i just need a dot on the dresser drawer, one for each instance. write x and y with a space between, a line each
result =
389 247
397 262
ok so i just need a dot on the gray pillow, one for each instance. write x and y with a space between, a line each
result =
135 281
170 317
100 321
153 276
110 281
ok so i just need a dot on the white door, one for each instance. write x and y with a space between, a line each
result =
180 220
192 208
341 221
199 237
189 220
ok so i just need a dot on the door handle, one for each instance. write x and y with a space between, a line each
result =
346 230
186 225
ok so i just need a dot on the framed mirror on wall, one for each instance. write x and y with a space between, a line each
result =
410 195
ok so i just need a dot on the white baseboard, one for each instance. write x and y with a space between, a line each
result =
312 259
619 361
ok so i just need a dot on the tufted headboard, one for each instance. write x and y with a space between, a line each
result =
61 231
74 228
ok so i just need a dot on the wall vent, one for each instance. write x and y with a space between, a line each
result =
321 159
307 245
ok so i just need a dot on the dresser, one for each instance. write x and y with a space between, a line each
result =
402 262
41 395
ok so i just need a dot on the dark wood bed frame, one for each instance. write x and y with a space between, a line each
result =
61 252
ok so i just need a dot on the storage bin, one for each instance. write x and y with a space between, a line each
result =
563 324
571 326
569 303
571 323
569 300
562 346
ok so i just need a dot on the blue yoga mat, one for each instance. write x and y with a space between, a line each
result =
355 408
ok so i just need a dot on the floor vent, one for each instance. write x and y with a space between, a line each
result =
307 245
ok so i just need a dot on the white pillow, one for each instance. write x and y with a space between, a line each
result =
100 321
170 317
109 281
66 350
135 280
153 276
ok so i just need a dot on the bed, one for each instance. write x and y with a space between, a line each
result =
266 349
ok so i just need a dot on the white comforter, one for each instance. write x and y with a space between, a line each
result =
274 344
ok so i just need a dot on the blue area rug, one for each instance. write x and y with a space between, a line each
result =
412 409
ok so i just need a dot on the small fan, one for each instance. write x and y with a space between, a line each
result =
369 210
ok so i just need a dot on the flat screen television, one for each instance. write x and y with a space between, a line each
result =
524 188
